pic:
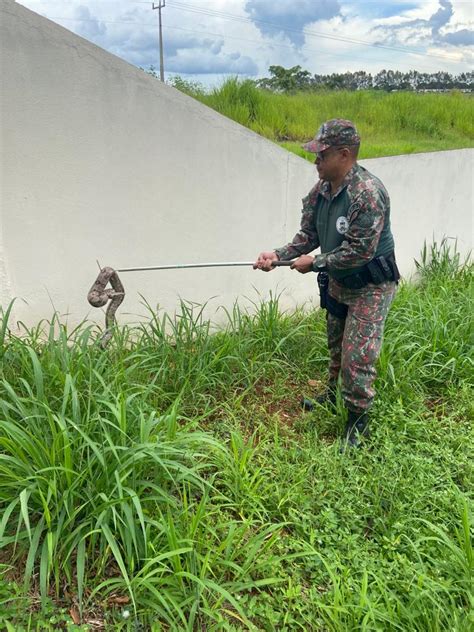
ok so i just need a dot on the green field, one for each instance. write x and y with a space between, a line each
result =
389 123
172 483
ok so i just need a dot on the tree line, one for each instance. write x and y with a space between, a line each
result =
295 79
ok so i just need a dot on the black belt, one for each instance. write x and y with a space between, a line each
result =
377 271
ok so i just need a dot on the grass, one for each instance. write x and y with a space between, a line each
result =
171 482
389 123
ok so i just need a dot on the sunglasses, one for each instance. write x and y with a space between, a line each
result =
322 155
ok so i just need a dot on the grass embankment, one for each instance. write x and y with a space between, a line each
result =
389 123
173 481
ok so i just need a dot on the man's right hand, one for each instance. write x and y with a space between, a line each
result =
264 261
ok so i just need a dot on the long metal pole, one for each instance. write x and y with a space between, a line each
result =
160 6
177 266
99 295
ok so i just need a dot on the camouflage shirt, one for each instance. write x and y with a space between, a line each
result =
351 227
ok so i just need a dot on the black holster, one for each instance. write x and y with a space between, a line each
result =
327 301
377 271
323 284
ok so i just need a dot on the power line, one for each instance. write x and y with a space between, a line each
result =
237 18
221 35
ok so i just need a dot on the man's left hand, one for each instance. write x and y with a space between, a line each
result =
303 264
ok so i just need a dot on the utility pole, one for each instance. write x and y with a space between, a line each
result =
159 6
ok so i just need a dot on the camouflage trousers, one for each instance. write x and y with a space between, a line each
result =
354 342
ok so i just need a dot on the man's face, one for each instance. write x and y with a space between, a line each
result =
331 163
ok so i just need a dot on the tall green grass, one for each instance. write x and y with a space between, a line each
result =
172 483
389 123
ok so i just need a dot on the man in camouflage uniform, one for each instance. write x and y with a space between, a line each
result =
347 215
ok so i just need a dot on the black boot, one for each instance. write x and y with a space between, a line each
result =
328 396
357 427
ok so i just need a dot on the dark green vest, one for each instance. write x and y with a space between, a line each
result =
330 217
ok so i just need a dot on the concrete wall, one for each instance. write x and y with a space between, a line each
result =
101 161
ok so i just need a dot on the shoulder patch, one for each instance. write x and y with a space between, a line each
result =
353 210
365 220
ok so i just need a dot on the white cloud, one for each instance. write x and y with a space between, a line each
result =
280 16
208 39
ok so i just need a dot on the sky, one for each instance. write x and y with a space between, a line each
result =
209 40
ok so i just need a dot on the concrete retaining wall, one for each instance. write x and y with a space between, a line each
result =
100 161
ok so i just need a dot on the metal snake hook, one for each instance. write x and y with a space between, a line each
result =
98 296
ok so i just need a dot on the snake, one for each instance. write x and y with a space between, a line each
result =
98 296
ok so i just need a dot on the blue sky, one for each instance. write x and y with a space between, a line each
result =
207 40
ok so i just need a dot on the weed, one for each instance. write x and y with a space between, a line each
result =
171 482
390 123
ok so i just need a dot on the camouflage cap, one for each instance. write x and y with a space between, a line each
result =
332 133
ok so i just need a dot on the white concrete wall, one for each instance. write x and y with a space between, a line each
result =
431 197
101 161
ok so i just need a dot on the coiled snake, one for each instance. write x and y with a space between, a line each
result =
98 296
